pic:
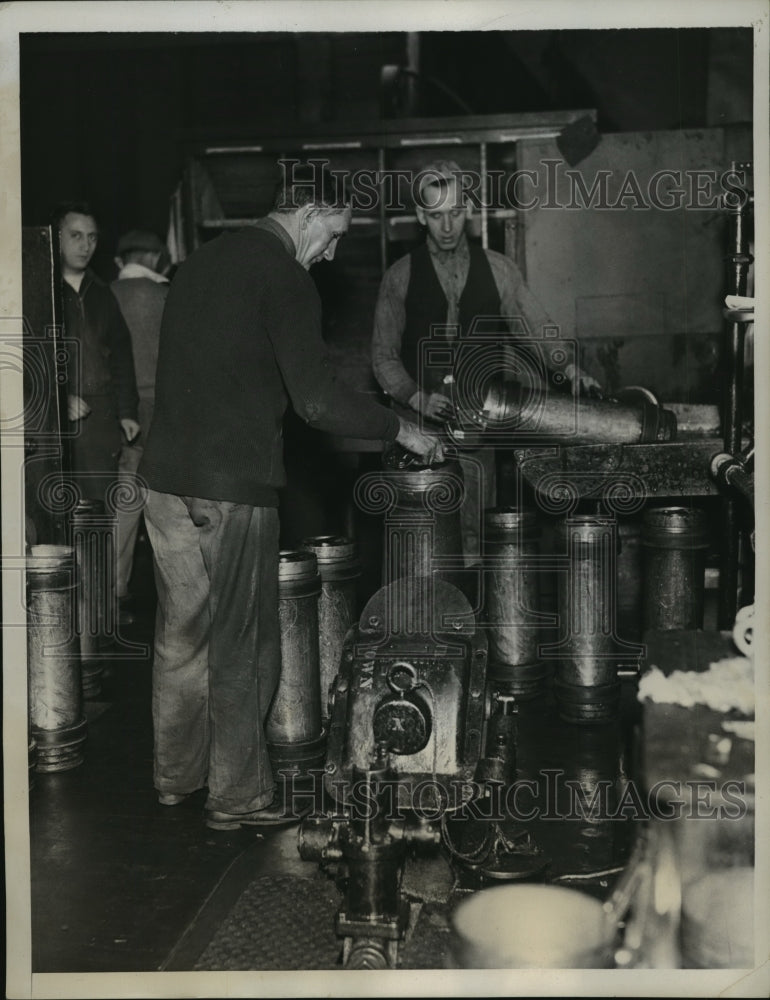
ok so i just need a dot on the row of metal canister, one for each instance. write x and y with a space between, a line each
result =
71 631
69 611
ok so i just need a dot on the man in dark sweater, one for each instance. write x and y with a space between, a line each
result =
240 338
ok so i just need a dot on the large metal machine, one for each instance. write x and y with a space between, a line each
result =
420 728
412 742
408 729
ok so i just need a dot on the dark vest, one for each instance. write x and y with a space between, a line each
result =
426 306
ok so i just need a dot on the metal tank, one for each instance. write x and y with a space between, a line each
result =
340 569
512 602
57 723
296 739
674 543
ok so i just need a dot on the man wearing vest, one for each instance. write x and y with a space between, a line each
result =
448 282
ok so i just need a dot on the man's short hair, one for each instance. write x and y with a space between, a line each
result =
63 209
309 184
438 174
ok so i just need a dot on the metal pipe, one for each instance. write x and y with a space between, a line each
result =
484 193
507 408
413 72
736 203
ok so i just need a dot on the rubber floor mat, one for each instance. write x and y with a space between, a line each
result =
285 923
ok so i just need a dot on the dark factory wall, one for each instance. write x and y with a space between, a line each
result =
102 114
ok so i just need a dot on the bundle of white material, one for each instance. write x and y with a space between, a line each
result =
727 685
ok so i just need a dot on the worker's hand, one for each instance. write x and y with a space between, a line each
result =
130 428
583 384
427 446
77 408
433 405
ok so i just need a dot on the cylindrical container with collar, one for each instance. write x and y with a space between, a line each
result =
674 543
57 723
295 735
94 542
586 683
512 601
340 569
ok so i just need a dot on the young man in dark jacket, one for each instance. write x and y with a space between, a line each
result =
102 400
240 338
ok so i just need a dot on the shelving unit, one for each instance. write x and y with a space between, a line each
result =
229 183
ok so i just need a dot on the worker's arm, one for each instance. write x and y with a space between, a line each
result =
317 393
389 370
516 300
121 363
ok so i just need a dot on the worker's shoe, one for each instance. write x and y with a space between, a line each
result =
171 798
276 814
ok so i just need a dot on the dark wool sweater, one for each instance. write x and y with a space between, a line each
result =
105 366
240 337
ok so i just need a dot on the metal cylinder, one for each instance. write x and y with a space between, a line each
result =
94 542
512 602
340 569
508 406
295 734
674 542
57 723
586 684
373 887
423 535
629 601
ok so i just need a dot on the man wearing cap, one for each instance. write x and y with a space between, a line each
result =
141 288
449 283
240 339
102 400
